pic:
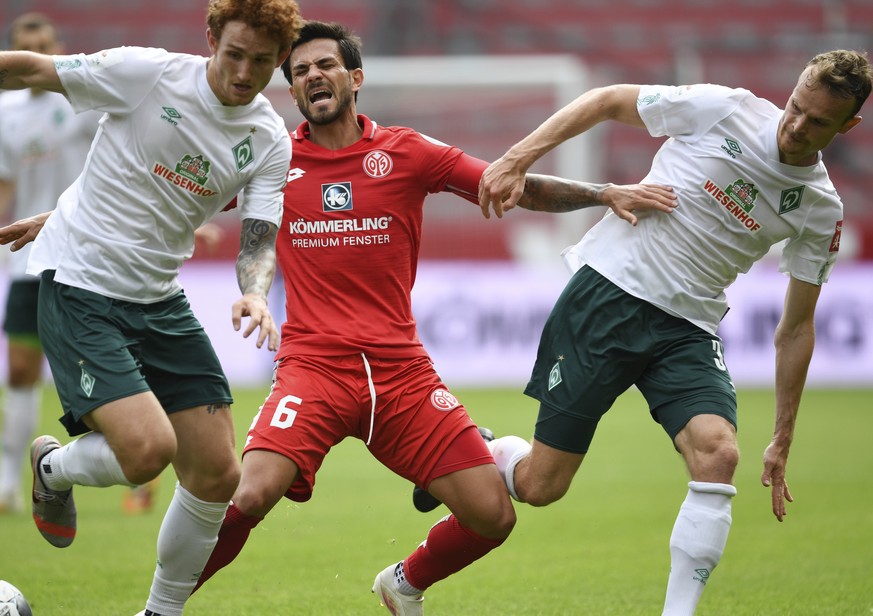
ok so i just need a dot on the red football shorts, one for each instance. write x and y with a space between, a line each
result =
412 428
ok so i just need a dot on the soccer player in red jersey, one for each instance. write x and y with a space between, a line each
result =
350 361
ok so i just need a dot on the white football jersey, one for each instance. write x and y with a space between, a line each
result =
43 145
167 157
735 201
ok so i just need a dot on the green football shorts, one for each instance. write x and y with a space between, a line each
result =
19 322
599 341
102 349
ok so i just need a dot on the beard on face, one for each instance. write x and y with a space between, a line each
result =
326 116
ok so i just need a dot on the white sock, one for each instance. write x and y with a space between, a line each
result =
86 461
21 412
507 452
188 534
697 543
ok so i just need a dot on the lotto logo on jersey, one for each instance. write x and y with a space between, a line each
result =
336 197
442 400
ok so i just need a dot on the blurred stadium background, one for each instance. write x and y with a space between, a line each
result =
481 74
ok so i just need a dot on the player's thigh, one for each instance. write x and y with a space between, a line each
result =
688 378
417 422
313 404
178 360
206 462
88 351
138 432
594 346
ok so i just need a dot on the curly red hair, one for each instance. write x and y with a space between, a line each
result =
278 19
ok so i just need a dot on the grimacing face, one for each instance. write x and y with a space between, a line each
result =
812 118
242 63
322 87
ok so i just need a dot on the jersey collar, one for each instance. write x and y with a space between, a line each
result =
302 131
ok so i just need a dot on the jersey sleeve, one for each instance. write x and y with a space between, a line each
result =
434 160
113 80
685 112
464 180
263 197
811 256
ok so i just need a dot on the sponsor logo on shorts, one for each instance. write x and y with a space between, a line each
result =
555 376
442 400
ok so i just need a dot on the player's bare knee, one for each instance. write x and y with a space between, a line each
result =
494 523
148 462
717 461
216 483
256 500
542 494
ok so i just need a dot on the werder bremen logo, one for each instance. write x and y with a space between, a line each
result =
648 100
87 381
244 153
555 376
744 194
195 168
790 199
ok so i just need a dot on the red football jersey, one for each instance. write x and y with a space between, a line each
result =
350 236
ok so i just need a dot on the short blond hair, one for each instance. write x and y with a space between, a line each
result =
847 74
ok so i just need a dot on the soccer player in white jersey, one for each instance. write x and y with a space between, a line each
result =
644 304
134 369
43 145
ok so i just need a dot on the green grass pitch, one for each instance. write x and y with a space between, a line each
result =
601 550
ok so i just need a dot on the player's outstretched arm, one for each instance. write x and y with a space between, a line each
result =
502 183
794 341
26 69
255 268
22 232
545 193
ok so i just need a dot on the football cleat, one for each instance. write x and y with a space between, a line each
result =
426 502
53 510
395 601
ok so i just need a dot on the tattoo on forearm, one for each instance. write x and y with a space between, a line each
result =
3 74
256 263
557 195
